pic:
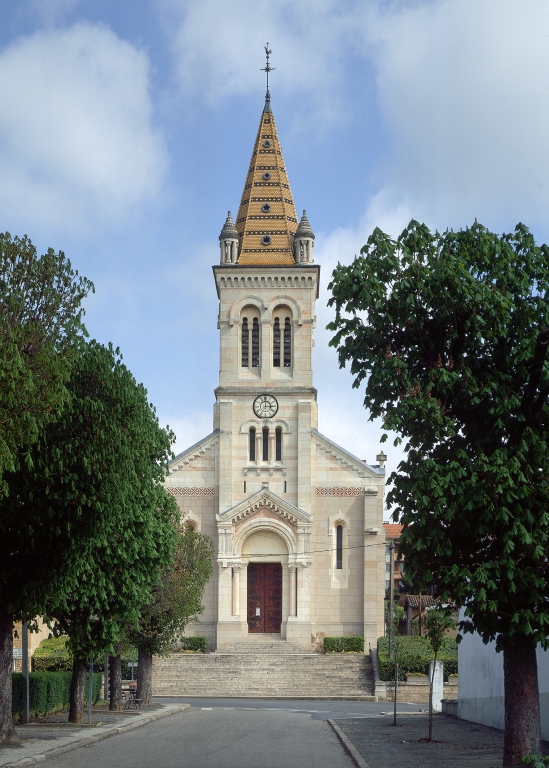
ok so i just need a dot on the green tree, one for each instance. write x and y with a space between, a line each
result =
437 622
102 525
41 332
176 601
450 332
40 327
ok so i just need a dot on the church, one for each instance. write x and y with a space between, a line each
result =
297 520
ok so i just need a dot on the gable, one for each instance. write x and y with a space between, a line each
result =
266 498
336 462
196 465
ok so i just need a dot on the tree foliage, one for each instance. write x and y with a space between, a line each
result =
88 530
40 326
450 332
177 598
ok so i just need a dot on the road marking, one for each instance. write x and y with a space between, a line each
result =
207 709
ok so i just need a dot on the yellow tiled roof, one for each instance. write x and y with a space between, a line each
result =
266 220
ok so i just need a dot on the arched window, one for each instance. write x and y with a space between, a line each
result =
252 444
278 442
190 525
265 444
255 343
276 343
339 547
245 343
287 343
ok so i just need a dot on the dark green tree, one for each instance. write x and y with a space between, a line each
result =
41 332
102 524
40 326
449 332
176 601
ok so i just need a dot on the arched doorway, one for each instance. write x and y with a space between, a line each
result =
265 552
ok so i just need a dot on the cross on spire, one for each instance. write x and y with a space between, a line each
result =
267 68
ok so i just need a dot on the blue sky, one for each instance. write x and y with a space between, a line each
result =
126 129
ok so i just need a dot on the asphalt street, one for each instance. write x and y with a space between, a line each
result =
219 737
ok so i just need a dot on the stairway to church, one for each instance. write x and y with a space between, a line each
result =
260 672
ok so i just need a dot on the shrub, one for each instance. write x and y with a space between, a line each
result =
48 692
52 655
413 655
343 644
193 644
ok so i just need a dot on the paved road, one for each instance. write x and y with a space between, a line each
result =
220 737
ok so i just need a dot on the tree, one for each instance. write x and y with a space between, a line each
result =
450 332
437 622
41 332
176 601
102 525
40 329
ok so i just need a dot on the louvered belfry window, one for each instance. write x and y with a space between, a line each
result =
265 444
276 343
287 343
245 343
255 343
278 450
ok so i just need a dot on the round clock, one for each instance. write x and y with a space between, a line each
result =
265 406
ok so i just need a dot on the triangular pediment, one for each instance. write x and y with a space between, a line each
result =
195 451
266 498
345 458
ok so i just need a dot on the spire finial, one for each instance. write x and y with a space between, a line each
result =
267 68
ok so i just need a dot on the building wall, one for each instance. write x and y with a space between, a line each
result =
481 685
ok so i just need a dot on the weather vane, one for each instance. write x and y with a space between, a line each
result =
267 68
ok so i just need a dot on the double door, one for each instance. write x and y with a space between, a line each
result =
264 597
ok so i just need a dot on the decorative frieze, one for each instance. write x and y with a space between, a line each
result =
190 491
340 491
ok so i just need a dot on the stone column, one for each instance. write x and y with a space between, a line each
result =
265 350
293 590
304 455
271 446
236 591
374 566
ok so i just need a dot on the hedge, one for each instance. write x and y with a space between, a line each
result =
48 692
343 644
413 656
52 656
194 644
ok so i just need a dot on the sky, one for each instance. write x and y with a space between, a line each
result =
126 130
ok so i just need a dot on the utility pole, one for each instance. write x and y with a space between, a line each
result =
391 595
25 670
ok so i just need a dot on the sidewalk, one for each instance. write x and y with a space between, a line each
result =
52 736
458 743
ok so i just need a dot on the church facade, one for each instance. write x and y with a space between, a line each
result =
297 520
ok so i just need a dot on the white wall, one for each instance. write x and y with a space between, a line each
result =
481 692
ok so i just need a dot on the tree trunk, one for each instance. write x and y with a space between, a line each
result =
115 683
522 716
78 691
7 732
144 677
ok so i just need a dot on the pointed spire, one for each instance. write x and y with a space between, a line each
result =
304 229
267 219
229 230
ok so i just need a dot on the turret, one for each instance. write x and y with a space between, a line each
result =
228 241
304 241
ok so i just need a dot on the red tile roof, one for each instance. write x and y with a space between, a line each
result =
392 530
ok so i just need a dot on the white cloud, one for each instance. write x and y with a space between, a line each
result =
52 11
76 139
463 89
218 50
189 429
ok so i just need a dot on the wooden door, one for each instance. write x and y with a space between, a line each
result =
264 597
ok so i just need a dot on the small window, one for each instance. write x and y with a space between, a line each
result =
245 342
255 343
278 456
339 547
252 444
276 343
190 526
265 444
287 343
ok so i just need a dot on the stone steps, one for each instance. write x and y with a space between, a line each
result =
278 675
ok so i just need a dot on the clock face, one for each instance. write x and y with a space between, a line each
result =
265 406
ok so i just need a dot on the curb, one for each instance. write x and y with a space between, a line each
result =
93 739
348 746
